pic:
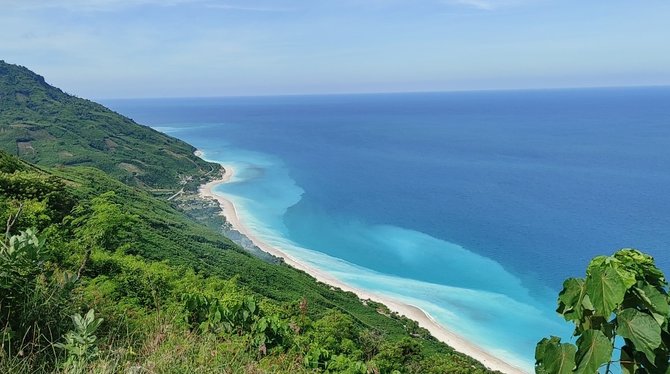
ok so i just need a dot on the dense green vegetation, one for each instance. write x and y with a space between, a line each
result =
46 126
621 317
97 274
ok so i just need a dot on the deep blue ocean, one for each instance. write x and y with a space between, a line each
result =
474 206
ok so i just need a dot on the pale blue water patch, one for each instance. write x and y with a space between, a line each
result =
473 206
261 186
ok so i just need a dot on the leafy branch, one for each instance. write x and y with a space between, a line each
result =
623 298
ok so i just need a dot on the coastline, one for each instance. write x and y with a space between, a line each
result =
229 211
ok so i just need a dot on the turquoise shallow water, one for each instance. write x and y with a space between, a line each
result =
472 206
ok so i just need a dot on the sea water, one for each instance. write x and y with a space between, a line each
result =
473 206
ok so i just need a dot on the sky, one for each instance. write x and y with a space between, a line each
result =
183 48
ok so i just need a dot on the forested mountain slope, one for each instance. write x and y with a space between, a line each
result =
44 125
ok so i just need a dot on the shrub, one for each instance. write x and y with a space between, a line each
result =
80 343
621 306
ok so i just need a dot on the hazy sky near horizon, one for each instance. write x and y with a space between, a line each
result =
177 48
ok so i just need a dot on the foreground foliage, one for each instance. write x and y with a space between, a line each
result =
621 317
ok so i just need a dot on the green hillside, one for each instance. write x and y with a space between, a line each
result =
174 295
48 127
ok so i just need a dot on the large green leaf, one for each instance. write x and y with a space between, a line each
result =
552 357
624 266
594 350
641 329
571 300
655 301
597 263
606 289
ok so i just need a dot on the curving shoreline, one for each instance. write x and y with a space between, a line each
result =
424 319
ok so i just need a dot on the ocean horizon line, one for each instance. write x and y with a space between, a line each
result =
389 93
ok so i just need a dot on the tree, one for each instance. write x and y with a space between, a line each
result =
104 225
620 312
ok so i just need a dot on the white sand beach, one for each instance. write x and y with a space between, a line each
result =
438 331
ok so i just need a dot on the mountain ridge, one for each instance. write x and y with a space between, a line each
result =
46 126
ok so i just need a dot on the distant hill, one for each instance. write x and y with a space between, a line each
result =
46 126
